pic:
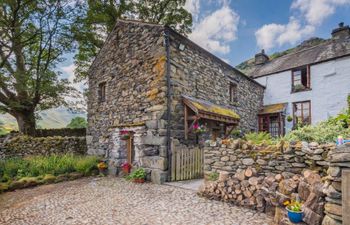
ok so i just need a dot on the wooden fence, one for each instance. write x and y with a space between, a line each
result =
186 163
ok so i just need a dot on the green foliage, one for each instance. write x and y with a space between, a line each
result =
98 18
289 118
36 166
295 206
258 138
139 173
34 36
213 176
86 165
326 131
77 122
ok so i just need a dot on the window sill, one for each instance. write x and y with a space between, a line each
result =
306 89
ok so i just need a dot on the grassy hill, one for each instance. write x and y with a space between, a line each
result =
52 118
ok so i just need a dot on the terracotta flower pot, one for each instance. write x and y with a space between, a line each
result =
139 180
126 169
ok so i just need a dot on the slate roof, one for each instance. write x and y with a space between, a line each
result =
274 108
205 107
325 51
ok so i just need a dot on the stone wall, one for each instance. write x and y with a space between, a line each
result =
339 160
19 146
64 132
132 66
286 157
263 177
197 73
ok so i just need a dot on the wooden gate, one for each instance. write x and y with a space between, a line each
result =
186 163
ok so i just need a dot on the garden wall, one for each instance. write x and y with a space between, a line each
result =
264 177
64 132
18 146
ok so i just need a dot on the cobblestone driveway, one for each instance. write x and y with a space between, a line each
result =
115 201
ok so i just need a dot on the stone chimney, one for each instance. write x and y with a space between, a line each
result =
261 58
341 32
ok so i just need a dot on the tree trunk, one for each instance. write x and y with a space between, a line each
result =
26 122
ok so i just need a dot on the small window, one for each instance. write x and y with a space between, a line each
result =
302 113
301 79
102 92
233 92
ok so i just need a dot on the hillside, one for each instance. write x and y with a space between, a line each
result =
52 118
246 66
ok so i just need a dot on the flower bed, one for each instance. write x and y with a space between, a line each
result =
18 173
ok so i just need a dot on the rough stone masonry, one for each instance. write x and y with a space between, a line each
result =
128 90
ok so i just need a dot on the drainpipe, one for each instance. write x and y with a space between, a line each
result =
168 112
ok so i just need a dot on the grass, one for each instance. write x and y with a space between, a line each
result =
36 166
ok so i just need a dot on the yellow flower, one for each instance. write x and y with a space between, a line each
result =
286 203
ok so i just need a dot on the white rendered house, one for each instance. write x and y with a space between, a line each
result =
309 84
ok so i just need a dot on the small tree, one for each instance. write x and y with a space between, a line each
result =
33 37
77 122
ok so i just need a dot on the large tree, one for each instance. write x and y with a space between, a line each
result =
99 17
33 37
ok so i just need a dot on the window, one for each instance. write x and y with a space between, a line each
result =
271 123
302 113
301 79
102 92
233 92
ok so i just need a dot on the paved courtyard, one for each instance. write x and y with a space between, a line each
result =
116 201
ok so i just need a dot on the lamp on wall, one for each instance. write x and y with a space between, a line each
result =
181 47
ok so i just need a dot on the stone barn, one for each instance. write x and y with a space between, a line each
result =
149 87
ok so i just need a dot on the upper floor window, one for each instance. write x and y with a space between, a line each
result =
301 79
102 92
233 92
302 113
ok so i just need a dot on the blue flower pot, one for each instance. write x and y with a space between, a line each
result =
295 217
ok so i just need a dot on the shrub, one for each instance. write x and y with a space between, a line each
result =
258 138
86 164
324 132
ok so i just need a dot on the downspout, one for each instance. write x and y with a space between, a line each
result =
168 112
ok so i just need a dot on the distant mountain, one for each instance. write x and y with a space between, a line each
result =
52 118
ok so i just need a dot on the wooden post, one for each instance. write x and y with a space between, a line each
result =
129 148
345 195
186 123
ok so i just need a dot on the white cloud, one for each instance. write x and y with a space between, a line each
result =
193 7
69 70
316 11
215 31
312 14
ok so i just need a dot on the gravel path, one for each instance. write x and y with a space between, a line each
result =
116 201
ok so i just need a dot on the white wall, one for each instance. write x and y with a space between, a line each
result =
330 84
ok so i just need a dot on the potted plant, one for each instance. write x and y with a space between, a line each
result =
126 167
102 167
295 213
199 129
289 118
138 175
124 134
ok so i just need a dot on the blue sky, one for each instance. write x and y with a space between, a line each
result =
235 30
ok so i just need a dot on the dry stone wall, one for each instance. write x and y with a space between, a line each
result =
19 146
339 160
292 157
264 177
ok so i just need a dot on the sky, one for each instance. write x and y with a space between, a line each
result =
235 30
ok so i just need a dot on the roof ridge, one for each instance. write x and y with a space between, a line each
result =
306 49
140 22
